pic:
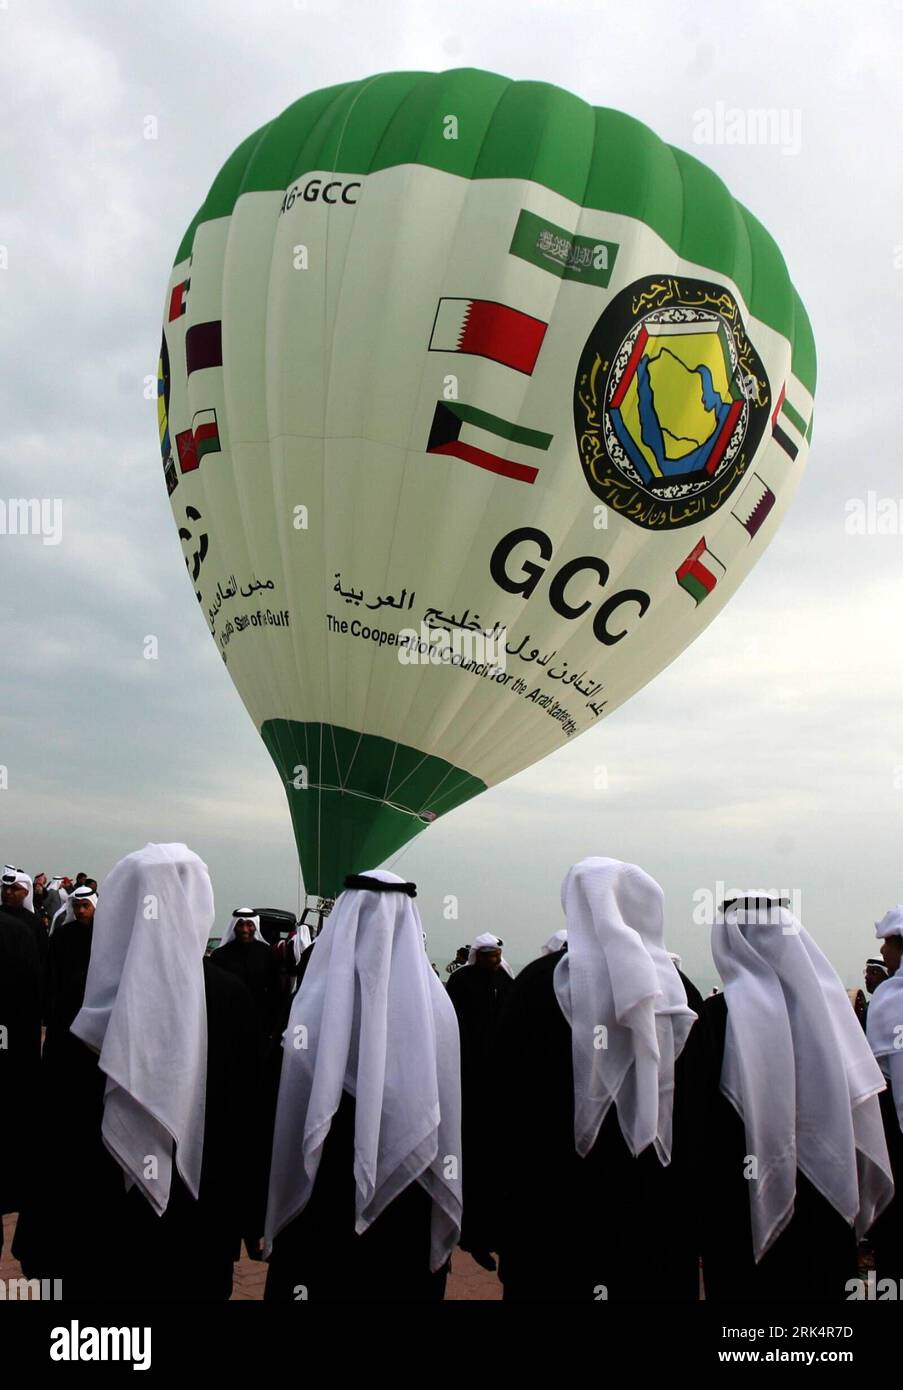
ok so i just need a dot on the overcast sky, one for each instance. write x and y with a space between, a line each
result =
769 754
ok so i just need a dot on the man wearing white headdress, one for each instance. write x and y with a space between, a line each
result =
68 957
78 907
17 902
487 949
365 1182
884 1030
55 897
244 925
479 991
39 899
245 953
16 891
152 1112
797 1161
603 1075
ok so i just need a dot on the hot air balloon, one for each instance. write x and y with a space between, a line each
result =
476 404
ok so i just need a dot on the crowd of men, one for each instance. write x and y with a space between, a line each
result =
590 1127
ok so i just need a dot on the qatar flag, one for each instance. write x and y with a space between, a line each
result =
482 328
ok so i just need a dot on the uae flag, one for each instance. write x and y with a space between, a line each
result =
754 504
700 572
454 419
177 304
206 434
482 328
788 426
204 346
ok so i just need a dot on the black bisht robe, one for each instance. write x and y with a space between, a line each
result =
34 926
479 996
886 1235
256 965
106 1243
608 1226
814 1256
20 1055
319 1258
68 958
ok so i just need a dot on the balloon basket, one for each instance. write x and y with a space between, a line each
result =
314 914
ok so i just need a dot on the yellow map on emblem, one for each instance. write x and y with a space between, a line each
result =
686 373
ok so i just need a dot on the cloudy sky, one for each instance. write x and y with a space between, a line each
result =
770 753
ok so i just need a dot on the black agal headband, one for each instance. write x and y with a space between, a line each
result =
762 903
380 885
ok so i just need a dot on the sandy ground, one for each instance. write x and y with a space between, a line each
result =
467 1281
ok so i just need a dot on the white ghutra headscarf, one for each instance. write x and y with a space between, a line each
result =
300 941
487 942
891 923
625 1003
242 914
798 1071
13 875
885 1016
145 1014
67 912
371 1017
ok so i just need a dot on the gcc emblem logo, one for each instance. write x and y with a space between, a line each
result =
670 402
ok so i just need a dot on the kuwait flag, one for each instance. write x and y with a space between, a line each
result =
206 434
482 328
204 346
754 504
700 572
177 305
451 419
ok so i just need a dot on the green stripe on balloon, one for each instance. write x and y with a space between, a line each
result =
794 417
596 157
365 797
518 434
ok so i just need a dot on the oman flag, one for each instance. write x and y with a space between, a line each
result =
206 433
201 439
482 328
700 572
